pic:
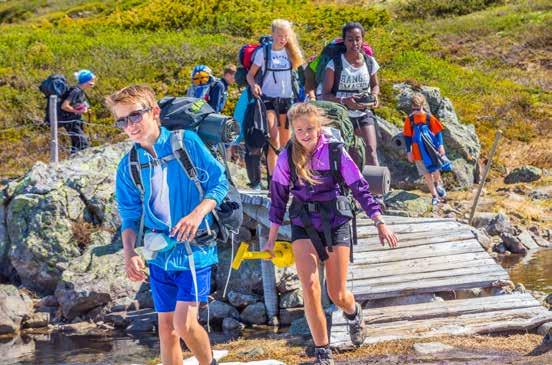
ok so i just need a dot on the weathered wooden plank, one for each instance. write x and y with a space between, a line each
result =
371 230
394 219
368 292
436 309
260 214
424 276
474 320
424 261
398 268
373 243
468 324
432 250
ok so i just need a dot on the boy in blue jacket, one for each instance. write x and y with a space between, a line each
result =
173 212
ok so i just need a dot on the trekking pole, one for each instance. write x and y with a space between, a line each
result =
53 117
484 177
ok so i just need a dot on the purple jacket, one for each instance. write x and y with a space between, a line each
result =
327 189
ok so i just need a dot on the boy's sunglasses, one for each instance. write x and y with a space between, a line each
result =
134 117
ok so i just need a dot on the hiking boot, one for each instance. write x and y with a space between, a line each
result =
357 326
323 356
441 191
434 201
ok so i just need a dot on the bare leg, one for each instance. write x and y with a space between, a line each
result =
436 175
284 133
171 352
306 261
193 334
429 182
368 134
336 278
274 140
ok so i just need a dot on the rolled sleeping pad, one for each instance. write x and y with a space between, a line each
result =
379 179
398 141
218 128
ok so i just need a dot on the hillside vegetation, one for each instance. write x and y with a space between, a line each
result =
490 57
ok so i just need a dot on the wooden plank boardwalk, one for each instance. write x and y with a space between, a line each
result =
434 255
509 312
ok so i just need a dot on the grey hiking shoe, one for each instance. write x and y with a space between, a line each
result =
357 327
323 356
441 191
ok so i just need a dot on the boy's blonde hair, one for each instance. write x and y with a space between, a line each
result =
292 45
134 94
229 69
300 157
418 101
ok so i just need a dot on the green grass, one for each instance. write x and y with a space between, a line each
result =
158 42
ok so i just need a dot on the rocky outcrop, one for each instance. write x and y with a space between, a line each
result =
405 203
461 141
46 206
15 308
523 174
97 278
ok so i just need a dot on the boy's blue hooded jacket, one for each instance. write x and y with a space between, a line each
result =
183 194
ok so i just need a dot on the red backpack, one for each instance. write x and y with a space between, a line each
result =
247 55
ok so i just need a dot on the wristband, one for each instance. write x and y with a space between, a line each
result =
378 222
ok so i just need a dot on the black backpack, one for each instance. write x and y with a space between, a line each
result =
255 125
197 115
55 84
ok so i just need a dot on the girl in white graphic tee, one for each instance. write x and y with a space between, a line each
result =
276 86
358 79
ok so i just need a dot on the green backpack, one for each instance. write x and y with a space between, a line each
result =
339 119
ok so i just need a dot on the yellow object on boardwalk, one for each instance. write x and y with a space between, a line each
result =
283 255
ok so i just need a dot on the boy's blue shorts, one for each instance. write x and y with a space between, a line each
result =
169 287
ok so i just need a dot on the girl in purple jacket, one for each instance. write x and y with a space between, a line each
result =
320 219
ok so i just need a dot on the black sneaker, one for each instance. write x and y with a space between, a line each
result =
323 356
357 327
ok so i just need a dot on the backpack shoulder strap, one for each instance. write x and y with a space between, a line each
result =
182 156
428 118
136 174
368 63
267 52
335 150
338 68
292 171
135 169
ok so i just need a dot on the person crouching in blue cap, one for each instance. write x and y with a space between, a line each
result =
74 106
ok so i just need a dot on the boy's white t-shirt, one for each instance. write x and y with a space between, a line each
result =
160 194
276 84
355 79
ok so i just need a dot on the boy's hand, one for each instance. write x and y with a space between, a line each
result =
441 150
410 157
186 228
134 266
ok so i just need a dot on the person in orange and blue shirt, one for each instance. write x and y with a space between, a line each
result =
424 146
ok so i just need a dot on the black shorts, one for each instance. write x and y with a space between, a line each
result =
365 120
341 235
279 105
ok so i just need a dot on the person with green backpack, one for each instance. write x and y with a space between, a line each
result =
351 79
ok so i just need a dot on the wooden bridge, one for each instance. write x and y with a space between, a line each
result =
435 255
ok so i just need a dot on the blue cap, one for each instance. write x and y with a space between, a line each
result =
84 76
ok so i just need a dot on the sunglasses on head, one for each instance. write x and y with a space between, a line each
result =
133 118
